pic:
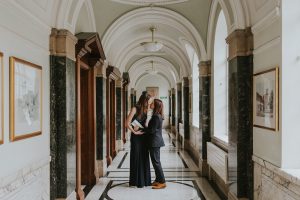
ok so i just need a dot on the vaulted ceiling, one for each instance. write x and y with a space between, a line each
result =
124 24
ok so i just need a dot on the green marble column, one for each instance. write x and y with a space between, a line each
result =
186 108
101 120
119 143
205 87
179 105
173 109
240 136
62 114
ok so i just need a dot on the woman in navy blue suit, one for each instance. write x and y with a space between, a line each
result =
155 142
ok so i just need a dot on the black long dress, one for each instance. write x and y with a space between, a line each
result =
140 175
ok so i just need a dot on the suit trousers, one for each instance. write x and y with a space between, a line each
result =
155 159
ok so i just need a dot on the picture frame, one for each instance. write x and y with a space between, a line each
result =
25 99
153 91
1 100
265 99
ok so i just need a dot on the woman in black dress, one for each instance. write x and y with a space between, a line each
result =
139 156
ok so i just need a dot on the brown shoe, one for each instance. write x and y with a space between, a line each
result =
155 183
160 186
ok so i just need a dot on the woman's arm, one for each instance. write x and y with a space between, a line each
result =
128 122
153 124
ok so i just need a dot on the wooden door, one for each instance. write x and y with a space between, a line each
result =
88 131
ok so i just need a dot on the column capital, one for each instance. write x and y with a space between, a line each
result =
240 43
179 86
119 83
186 82
204 68
62 43
101 68
173 90
132 91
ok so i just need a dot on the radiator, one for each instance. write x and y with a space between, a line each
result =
217 159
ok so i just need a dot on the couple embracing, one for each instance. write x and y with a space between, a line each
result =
145 123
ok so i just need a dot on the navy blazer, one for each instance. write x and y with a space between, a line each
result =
154 132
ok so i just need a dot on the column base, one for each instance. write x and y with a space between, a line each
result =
232 196
108 160
204 168
101 169
119 145
79 194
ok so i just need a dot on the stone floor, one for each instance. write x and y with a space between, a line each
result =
182 176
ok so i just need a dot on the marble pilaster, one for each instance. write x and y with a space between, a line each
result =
205 87
240 148
63 113
132 97
179 105
186 108
101 119
119 114
170 108
173 107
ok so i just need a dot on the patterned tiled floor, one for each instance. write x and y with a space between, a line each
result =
182 176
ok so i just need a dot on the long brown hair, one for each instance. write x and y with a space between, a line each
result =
158 107
142 104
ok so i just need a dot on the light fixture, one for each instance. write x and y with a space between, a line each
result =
152 46
152 71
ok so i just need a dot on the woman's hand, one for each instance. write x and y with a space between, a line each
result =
136 128
138 133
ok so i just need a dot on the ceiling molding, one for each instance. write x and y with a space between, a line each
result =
68 12
155 15
172 48
238 23
149 2
266 21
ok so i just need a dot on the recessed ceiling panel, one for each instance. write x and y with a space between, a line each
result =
148 2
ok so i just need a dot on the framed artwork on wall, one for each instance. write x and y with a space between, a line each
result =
25 99
153 91
265 99
1 100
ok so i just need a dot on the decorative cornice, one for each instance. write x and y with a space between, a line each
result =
101 69
113 73
62 43
205 68
240 43
266 21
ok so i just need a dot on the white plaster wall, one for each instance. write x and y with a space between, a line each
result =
266 28
164 87
24 35
290 83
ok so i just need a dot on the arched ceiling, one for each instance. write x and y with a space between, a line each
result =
124 24
147 2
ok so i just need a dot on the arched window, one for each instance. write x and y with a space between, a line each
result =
194 61
220 81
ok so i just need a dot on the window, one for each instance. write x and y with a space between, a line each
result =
220 80
194 61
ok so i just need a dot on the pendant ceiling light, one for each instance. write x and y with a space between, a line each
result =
152 71
152 46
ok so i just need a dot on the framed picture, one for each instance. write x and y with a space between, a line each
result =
1 100
25 99
153 91
265 99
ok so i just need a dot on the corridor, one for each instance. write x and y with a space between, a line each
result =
182 176
225 71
